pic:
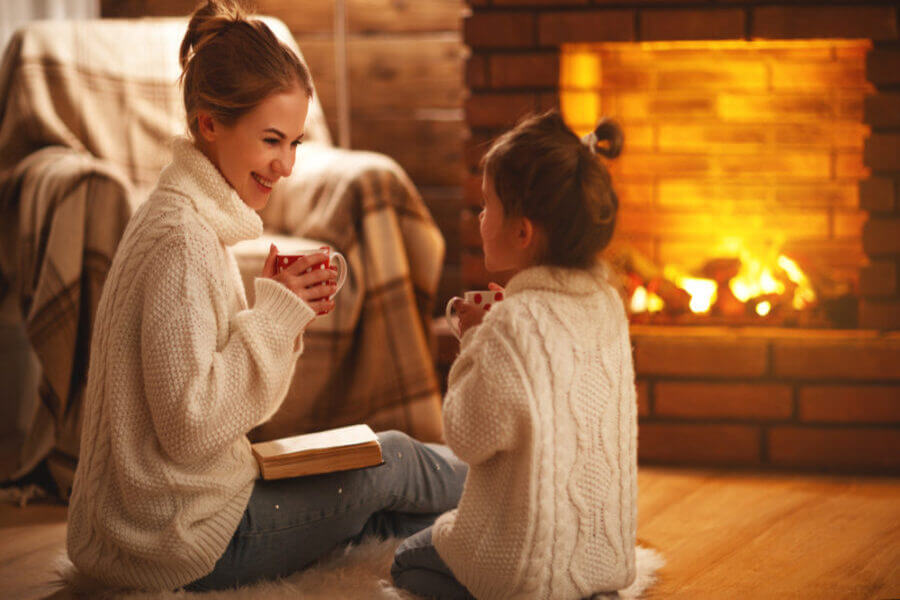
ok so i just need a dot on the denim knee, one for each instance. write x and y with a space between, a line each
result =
394 443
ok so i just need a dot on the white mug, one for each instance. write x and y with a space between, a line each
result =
283 260
484 299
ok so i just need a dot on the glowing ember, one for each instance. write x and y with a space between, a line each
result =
804 294
644 301
703 291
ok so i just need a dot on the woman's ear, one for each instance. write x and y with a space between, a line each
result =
207 126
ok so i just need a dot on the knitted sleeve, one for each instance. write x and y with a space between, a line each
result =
203 394
486 409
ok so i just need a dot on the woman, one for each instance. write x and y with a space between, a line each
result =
166 492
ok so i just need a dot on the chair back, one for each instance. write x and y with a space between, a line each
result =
106 86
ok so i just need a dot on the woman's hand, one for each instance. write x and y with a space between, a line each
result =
315 288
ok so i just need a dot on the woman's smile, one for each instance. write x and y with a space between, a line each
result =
265 185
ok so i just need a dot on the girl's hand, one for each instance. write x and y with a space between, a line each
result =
315 288
470 315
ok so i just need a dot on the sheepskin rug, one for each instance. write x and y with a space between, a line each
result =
359 572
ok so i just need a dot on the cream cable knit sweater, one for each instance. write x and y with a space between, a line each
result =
541 404
180 371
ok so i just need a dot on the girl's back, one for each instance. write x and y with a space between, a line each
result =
541 400
542 405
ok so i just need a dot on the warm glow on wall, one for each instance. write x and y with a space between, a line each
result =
759 142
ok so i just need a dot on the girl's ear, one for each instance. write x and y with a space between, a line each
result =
207 126
531 240
525 233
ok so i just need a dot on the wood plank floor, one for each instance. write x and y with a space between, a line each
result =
724 535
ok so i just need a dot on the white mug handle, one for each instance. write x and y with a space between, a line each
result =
454 329
342 270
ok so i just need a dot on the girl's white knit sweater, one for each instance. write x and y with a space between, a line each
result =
541 404
180 371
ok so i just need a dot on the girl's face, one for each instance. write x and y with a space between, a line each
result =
501 238
259 148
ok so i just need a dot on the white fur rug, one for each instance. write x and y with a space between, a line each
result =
356 573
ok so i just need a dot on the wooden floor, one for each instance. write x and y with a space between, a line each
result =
724 535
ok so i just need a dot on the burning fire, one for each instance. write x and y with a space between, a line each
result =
761 283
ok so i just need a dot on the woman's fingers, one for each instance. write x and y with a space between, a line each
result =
322 307
313 278
305 262
315 287
317 292
269 266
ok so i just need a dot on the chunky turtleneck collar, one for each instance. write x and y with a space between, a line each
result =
192 174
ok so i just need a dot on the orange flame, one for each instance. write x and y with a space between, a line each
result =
755 279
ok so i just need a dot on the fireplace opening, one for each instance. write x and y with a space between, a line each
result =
739 179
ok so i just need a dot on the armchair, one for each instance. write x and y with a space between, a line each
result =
87 109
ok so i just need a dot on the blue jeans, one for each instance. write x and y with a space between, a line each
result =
418 568
289 523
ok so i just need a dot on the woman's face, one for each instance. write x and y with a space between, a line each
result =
259 148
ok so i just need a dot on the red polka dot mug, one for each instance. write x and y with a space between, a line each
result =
283 260
482 298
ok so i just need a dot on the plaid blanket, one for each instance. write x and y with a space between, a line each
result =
85 123
63 212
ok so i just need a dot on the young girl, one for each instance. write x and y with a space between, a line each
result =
541 400
166 491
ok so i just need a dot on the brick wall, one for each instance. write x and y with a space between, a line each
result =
880 279
840 91
769 398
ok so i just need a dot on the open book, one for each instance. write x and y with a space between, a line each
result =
338 449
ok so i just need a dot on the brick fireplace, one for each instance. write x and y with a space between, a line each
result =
790 113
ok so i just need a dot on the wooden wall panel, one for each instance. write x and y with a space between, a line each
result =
376 17
317 16
399 16
146 8
429 149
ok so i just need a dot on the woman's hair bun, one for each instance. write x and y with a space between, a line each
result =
208 20
606 139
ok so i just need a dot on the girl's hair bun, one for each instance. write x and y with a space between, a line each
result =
606 139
